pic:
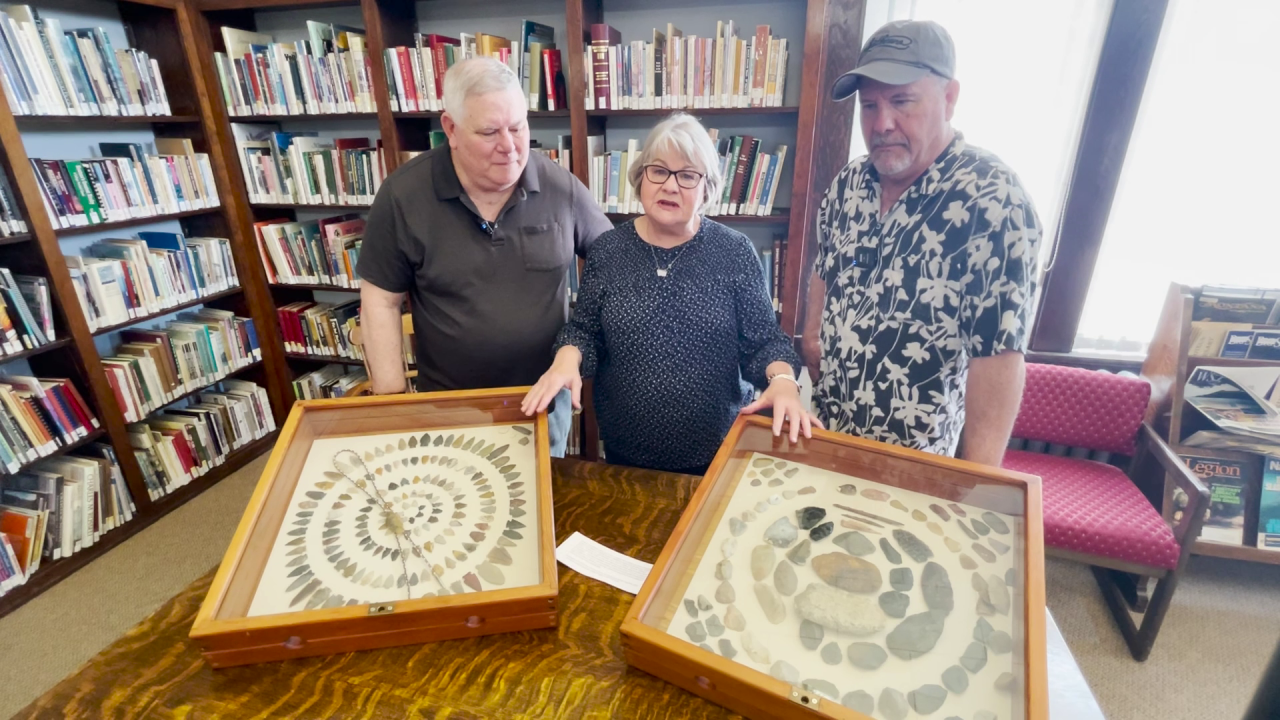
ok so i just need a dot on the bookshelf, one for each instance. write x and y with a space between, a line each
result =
156 27
183 35
1167 367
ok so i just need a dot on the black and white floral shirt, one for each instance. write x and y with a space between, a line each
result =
949 273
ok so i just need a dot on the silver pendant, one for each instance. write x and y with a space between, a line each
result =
662 272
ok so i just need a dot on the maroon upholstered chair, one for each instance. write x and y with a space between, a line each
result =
1096 513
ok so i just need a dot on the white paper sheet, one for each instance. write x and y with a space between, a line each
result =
594 560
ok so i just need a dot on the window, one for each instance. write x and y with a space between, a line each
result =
1199 181
1025 71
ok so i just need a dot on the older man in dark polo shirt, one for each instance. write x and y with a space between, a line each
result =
480 236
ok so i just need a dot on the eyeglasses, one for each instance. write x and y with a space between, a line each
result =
686 179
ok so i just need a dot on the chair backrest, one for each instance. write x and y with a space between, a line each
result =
1082 408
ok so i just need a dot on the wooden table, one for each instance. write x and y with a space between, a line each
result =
577 671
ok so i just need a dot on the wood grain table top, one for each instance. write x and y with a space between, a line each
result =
573 671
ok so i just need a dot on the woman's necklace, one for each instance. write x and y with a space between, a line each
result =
393 521
664 271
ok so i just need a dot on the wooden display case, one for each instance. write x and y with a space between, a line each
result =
778 594
463 477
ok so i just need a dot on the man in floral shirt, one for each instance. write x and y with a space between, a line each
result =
924 285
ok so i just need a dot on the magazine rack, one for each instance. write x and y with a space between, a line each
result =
844 578
389 520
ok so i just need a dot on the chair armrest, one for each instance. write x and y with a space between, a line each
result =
1193 516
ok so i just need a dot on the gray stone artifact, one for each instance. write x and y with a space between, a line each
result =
774 610
704 604
724 570
984 553
810 516
998 594
847 572
999 546
762 561
894 604
1006 682
847 490
736 526
838 610
935 585
695 631
940 512
955 679
781 533
800 553
810 634
784 579
967 562
893 704
785 672
859 701
980 527
854 543
726 649
890 552
725 593
968 533
754 649
926 699
691 607
982 631
866 656
975 657
820 532
714 627
1000 642
901 579
916 635
822 687
733 619
1011 577
831 654
995 522
914 547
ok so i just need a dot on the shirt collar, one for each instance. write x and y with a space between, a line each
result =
449 187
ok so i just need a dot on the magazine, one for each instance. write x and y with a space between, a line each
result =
1238 400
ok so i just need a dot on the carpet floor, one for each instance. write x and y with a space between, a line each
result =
1217 638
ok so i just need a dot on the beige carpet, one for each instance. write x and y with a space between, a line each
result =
1217 638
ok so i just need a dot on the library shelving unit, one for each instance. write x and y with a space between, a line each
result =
183 36
1167 367
157 27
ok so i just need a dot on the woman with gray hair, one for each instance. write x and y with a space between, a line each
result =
673 320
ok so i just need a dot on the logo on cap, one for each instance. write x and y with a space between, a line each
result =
895 42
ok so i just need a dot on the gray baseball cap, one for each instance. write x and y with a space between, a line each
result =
899 53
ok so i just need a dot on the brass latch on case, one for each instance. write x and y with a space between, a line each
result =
383 609
807 698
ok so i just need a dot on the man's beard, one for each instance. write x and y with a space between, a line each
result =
890 163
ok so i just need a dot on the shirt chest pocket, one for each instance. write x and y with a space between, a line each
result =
544 247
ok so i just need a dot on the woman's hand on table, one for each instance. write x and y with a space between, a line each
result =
564 373
783 395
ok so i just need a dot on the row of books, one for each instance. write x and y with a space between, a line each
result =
126 183
59 507
328 73
49 71
415 75
319 252
299 168
561 154
154 367
26 313
181 444
1244 496
38 417
119 280
751 177
11 222
313 328
675 71
330 381
1234 340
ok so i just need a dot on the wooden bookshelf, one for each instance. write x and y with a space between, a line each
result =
132 222
779 217
163 29
698 112
325 288
306 357
300 206
168 311
91 436
307 118
1167 367
35 122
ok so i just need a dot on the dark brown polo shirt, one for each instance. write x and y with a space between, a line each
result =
488 299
